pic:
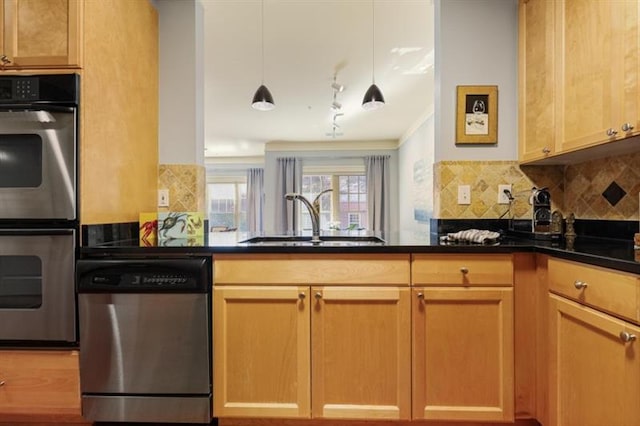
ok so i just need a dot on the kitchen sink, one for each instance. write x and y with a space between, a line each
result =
325 240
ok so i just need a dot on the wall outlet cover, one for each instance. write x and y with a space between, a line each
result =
464 194
502 197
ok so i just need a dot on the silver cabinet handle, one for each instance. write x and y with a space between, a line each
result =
580 284
301 295
318 295
612 132
546 150
421 296
464 270
1 382
627 127
627 337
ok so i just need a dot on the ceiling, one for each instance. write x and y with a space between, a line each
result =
308 43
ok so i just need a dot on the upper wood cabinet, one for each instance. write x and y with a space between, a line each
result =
536 113
579 70
597 72
40 34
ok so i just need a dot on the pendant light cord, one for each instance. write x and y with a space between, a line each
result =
373 41
262 39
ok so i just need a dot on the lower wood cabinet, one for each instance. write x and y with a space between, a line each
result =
39 385
594 362
276 346
463 354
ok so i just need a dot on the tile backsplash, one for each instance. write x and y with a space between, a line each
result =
187 187
604 189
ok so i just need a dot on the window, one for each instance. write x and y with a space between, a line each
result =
227 205
344 208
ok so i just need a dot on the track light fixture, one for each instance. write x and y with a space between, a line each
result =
262 99
373 98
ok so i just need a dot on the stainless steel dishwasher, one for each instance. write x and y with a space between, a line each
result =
145 339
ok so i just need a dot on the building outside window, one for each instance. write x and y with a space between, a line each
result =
347 204
227 200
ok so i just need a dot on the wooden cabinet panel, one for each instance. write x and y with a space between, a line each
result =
261 351
536 76
612 291
361 355
463 354
462 269
594 375
42 33
343 269
37 384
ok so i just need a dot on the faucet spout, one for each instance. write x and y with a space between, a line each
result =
314 211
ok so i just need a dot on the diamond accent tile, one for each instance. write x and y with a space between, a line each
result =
614 193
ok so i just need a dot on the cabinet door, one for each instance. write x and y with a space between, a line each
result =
361 353
261 351
536 74
42 33
592 62
594 374
39 383
463 354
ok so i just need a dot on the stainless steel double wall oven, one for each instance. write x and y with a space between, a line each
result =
38 207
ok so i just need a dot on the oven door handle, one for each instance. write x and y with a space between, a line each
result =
9 232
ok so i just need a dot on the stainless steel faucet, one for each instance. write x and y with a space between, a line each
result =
314 211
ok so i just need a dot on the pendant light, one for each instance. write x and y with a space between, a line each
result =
262 100
373 99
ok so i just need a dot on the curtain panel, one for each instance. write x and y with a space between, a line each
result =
378 192
289 179
255 199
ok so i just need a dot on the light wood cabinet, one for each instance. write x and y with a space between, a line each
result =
463 343
579 79
536 115
40 33
39 385
262 351
597 71
320 336
361 352
594 372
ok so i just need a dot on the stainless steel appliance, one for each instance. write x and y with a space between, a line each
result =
541 200
38 208
38 138
145 339
37 300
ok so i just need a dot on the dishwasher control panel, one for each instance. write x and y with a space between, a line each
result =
149 275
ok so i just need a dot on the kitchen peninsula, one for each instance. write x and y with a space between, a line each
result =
464 331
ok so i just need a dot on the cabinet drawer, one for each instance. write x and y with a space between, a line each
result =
312 269
612 291
462 270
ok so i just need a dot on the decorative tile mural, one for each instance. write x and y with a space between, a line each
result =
187 187
605 189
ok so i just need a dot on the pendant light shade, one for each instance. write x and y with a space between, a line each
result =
373 99
262 99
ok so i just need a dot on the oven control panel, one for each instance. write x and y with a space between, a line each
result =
20 89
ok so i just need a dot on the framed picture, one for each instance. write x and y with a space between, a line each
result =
477 115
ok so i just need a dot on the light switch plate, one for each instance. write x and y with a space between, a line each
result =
163 198
464 194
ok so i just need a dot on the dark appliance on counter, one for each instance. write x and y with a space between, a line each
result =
38 208
145 339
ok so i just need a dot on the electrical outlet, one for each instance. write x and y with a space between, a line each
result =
163 198
464 194
502 197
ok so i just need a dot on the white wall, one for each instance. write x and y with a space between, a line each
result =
415 179
476 43
181 77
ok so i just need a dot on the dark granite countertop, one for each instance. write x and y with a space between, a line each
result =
615 254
